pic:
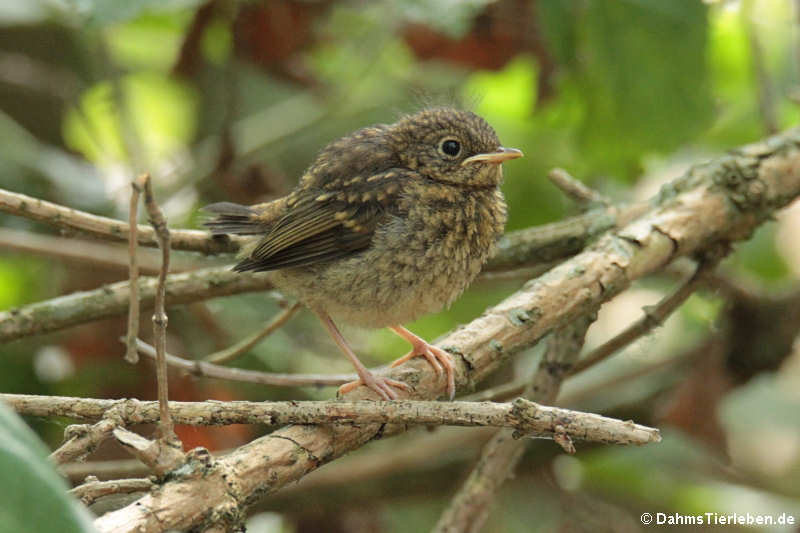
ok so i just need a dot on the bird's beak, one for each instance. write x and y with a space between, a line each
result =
502 154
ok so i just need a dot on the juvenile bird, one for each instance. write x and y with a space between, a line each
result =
388 223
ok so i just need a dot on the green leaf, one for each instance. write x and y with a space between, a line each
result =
33 496
642 67
164 119
510 92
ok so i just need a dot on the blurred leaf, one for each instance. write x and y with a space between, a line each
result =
70 175
759 256
557 20
34 497
763 404
149 41
453 17
510 92
15 12
217 42
163 115
643 74
18 281
104 12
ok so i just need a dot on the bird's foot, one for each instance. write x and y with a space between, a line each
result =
381 385
440 360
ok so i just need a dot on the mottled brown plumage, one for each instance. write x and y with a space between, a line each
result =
388 223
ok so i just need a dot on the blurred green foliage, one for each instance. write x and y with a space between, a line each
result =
231 100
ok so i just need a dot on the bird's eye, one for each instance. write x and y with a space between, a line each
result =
450 147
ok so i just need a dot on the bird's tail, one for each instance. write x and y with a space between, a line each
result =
227 217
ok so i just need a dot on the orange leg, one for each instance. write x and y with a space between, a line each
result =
381 385
439 359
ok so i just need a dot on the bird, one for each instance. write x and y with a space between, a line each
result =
387 224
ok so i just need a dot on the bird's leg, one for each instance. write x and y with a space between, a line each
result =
438 358
381 385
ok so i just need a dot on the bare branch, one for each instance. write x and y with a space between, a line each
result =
241 347
765 87
533 245
526 417
653 317
112 300
131 355
95 254
210 370
81 440
575 189
470 507
162 455
168 439
109 228
92 490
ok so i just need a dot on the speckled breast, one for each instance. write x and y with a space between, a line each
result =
422 258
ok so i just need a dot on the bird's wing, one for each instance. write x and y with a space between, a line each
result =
322 225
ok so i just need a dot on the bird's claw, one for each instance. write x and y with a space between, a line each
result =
381 385
439 359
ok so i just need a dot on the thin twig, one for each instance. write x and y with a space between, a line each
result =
159 313
81 440
113 469
131 355
93 489
109 228
470 506
241 347
653 317
162 455
575 189
95 254
556 241
502 392
210 370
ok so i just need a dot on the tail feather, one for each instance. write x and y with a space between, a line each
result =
232 218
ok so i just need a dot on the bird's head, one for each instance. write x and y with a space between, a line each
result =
451 146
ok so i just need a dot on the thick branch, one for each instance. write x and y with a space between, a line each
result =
718 201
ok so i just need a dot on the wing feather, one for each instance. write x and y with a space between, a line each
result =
322 227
